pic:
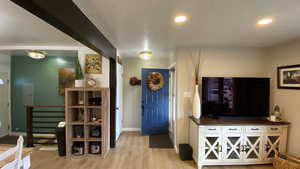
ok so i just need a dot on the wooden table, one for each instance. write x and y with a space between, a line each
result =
3 148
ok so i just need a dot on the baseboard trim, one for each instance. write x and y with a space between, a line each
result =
17 133
130 129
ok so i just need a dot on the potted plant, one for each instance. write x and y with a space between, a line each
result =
79 77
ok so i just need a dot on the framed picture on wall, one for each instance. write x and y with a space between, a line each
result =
66 79
93 64
288 77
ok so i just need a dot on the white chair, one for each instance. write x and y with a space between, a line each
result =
18 162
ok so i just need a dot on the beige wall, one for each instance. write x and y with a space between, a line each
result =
132 94
288 100
231 62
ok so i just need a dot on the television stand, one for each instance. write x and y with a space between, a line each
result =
236 142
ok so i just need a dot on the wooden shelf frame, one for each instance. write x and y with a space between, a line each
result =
72 97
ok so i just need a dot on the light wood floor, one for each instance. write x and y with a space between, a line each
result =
132 152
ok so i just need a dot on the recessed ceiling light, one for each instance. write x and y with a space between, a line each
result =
265 21
35 54
145 55
180 19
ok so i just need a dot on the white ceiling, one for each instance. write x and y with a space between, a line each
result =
19 27
136 25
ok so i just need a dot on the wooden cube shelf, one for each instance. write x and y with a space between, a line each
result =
87 108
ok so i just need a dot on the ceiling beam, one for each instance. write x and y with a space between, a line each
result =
67 17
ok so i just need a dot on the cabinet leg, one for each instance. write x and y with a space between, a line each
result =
200 167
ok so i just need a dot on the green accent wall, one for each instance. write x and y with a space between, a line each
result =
43 76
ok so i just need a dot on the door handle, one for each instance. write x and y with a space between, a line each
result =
117 108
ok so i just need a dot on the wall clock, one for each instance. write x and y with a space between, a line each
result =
91 82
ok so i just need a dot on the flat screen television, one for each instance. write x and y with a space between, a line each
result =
235 97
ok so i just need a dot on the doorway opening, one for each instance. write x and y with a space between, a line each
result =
4 104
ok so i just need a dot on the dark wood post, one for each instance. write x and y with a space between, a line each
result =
29 110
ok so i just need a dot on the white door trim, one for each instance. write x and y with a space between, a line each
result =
7 80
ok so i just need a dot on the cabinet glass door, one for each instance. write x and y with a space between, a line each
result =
272 143
213 147
233 145
252 147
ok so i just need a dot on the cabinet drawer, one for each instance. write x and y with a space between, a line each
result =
232 129
276 129
212 129
254 129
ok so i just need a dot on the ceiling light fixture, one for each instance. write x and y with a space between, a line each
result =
265 21
180 19
145 55
35 54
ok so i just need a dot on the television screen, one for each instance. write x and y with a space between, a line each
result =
240 97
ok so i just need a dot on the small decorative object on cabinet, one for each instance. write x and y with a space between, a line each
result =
275 115
196 103
220 142
284 161
196 99
91 82
79 78
88 134
95 148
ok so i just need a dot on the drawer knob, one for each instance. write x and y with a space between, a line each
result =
211 129
255 129
233 129
274 129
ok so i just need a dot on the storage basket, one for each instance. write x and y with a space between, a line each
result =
284 161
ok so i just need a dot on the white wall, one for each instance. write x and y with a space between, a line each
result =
5 67
132 94
101 79
288 100
231 62
4 63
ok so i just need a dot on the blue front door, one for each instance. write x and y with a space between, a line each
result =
155 104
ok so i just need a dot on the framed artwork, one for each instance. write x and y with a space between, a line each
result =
93 64
66 79
288 77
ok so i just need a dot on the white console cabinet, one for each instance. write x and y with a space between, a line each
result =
236 144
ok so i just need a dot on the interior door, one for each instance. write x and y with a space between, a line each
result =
4 104
155 104
119 108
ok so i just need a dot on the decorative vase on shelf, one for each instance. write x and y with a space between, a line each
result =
196 103
79 83
79 77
